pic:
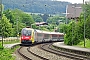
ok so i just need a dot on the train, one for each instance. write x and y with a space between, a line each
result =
31 36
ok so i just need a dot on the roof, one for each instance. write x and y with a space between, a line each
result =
41 23
73 10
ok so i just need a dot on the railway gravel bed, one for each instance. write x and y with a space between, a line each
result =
27 55
48 47
48 55
18 56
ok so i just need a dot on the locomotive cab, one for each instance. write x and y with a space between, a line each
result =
27 36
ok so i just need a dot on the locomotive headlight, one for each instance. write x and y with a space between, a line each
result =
31 38
22 37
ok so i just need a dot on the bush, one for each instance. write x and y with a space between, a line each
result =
5 54
72 37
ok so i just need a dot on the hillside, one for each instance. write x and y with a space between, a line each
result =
36 6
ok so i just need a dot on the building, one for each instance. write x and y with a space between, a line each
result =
41 23
73 11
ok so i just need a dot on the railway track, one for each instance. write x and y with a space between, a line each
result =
50 56
37 55
23 55
48 47
29 55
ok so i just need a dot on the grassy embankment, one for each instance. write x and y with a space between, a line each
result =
5 53
87 43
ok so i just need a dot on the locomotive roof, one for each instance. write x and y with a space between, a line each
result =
46 32
27 29
40 31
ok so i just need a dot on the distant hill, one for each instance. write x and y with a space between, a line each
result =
37 6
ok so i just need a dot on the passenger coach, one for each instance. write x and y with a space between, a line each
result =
30 36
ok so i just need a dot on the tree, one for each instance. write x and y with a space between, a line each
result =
19 15
87 20
19 19
56 19
73 33
1 9
68 34
37 18
10 15
6 27
27 19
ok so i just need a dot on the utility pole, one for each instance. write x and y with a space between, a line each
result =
1 19
72 32
17 29
75 22
84 23
66 15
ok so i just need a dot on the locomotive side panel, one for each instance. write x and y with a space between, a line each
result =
61 37
39 37
47 37
54 37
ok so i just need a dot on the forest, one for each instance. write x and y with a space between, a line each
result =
37 6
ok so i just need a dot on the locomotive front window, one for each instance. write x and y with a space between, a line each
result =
26 32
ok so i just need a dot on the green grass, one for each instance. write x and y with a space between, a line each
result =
87 43
6 54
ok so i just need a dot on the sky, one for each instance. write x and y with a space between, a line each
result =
74 1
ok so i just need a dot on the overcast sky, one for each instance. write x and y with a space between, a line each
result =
74 1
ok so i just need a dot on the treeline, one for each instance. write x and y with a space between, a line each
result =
37 6
14 20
